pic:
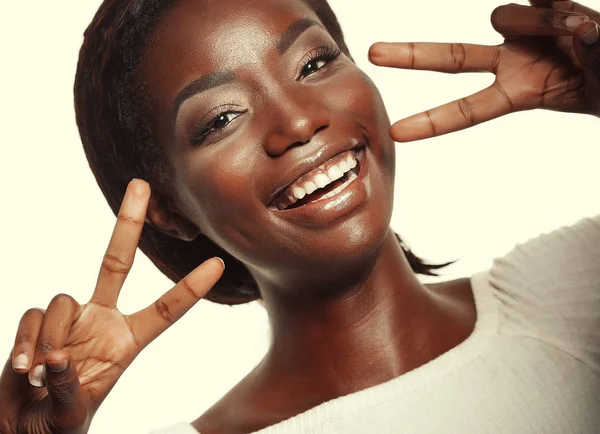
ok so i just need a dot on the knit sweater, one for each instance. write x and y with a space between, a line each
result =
531 365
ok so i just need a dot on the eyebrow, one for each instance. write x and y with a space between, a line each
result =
202 84
220 78
293 32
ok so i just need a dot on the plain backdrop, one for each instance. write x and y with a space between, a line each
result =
470 195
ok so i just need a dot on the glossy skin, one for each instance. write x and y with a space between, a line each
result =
340 325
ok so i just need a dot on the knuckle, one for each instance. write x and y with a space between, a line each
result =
24 340
163 311
547 19
466 110
459 56
114 264
45 346
189 289
130 219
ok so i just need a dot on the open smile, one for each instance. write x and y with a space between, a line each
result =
335 200
321 183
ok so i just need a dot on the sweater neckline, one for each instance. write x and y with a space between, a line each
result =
444 364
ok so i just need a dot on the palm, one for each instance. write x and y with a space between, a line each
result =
537 73
101 346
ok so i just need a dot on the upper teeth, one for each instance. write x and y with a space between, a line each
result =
317 178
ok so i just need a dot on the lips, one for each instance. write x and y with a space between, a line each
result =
320 183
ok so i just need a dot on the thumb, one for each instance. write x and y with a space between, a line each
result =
586 43
68 404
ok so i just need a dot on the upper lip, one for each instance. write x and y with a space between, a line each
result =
310 162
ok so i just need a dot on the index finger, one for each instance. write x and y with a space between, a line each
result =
118 259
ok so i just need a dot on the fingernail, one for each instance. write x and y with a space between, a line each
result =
591 36
58 366
21 362
575 21
37 376
222 261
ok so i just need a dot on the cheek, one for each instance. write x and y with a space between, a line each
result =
220 191
356 99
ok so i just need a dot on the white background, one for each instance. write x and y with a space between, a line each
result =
469 195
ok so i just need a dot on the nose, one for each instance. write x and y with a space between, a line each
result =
297 115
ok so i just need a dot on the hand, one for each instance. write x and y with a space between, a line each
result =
550 59
74 354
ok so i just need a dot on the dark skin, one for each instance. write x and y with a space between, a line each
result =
340 325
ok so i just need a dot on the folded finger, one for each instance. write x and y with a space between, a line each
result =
118 259
517 20
59 317
68 402
26 340
485 105
150 322
567 5
432 56
586 44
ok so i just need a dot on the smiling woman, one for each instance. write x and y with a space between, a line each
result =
245 131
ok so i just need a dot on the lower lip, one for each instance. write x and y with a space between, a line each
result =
327 211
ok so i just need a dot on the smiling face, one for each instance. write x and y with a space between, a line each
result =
255 106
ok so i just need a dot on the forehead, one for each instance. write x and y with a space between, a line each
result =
197 37
218 33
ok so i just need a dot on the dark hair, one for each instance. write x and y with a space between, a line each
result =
111 105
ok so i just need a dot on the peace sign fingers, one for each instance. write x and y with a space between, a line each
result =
487 104
118 259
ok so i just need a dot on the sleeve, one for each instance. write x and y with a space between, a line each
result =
548 288
180 428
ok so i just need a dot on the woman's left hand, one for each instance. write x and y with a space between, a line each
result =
550 59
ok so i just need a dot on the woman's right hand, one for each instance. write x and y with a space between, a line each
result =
67 358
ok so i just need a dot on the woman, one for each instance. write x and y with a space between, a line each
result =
252 132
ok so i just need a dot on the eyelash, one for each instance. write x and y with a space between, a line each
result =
325 53
204 130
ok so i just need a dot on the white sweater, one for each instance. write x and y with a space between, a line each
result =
532 364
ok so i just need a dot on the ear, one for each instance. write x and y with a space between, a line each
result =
163 217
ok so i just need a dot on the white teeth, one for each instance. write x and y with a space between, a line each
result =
344 166
322 180
299 192
334 173
319 178
310 187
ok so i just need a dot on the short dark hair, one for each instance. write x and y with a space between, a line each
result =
111 105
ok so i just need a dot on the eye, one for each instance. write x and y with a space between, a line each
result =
313 66
214 125
317 60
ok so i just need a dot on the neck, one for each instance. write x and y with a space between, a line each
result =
372 329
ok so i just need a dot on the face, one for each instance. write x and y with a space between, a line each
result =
256 107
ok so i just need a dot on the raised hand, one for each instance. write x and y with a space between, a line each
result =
67 358
550 59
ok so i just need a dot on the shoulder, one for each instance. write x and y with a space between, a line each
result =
549 288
